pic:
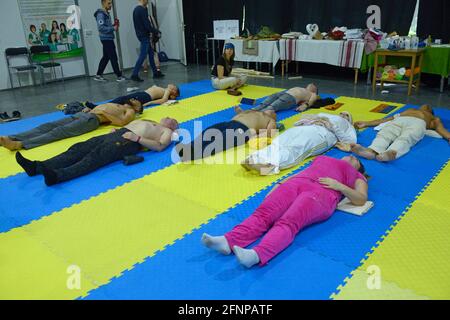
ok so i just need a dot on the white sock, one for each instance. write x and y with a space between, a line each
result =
220 244
246 257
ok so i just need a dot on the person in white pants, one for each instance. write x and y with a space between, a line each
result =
311 136
399 133
221 77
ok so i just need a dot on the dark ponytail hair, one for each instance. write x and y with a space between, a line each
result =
362 170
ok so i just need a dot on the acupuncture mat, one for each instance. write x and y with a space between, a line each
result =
104 236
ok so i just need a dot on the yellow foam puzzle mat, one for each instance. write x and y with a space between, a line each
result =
187 109
415 254
112 232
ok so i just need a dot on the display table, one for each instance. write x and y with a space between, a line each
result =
347 54
416 61
436 60
267 52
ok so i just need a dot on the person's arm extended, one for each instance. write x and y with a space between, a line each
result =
125 119
439 128
357 196
164 141
164 99
373 123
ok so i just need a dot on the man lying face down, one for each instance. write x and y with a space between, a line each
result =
88 156
227 135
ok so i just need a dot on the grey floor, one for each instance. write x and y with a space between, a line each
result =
32 101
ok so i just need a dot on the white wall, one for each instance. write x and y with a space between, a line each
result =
10 36
129 43
170 26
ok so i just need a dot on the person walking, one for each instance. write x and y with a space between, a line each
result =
143 30
106 31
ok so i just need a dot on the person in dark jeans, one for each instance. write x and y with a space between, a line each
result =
226 135
143 29
88 156
106 32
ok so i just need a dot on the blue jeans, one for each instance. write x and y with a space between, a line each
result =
146 48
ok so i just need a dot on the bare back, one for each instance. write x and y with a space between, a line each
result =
156 92
147 129
256 120
300 94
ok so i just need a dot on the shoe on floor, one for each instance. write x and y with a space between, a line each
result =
99 78
16 115
5 117
121 79
136 78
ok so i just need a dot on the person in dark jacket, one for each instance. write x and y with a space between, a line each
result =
143 30
106 32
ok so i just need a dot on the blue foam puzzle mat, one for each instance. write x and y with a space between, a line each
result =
188 271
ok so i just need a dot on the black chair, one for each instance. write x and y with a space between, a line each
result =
46 65
12 53
201 43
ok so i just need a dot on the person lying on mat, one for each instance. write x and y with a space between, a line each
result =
152 96
82 122
308 197
221 77
88 156
311 135
302 98
226 135
399 134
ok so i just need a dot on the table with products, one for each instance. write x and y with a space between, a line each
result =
416 57
436 60
347 54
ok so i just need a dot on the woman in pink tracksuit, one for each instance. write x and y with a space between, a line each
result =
309 197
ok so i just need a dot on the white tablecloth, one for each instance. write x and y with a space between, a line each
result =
267 52
337 53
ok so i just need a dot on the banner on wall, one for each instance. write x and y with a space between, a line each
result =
54 23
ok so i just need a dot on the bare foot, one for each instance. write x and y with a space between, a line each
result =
363 152
10 144
266 170
387 156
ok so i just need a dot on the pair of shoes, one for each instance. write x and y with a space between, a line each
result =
158 74
99 78
136 78
121 79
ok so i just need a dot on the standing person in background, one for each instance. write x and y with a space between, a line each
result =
106 31
53 42
44 33
143 30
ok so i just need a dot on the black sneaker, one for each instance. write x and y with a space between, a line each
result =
136 78
158 74
4 116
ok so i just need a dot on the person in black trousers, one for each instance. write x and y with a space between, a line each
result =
106 31
143 30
